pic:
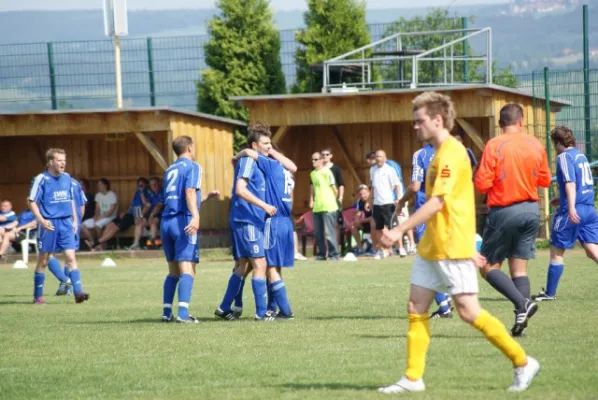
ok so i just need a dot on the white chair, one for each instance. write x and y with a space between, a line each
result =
25 245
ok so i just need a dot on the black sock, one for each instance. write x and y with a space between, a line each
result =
504 285
522 284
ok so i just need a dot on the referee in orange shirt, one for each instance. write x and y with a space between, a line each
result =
512 167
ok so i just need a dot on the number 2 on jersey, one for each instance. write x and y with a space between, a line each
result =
586 174
171 178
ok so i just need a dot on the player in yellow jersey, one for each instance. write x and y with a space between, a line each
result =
447 259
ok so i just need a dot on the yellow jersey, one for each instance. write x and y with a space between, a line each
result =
450 233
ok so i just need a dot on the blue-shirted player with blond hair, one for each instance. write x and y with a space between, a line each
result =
180 227
52 202
576 217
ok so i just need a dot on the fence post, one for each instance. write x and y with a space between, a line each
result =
548 129
150 65
52 75
465 52
586 85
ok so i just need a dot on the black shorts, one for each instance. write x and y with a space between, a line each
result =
366 227
511 231
125 222
382 215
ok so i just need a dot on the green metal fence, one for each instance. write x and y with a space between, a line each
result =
164 70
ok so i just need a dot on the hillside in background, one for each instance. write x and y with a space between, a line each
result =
524 41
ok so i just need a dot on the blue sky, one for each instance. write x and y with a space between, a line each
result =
278 5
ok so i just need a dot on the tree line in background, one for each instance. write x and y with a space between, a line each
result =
243 54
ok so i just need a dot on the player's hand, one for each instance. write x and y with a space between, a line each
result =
479 260
573 216
214 193
193 226
47 225
391 236
555 202
270 210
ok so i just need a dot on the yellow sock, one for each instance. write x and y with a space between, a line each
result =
497 334
418 339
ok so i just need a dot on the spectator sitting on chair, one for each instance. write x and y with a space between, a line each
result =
8 224
126 219
151 214
105 211
7 217
90 206
363 220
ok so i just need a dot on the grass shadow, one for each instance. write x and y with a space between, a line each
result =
13 302
149 321
404 335
499 299
326 386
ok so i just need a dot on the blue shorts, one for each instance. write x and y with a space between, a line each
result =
279 242
565 232
177 245
247 240
60 239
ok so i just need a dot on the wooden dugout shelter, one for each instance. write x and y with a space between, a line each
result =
355 123
120 145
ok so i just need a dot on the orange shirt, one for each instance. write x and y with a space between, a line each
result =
512 167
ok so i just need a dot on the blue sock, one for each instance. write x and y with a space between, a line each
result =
234 283
56 269
272 304
239 296
554 275
38 285
185 289
169 289
279 292
442 300
259 293
76 280
67 273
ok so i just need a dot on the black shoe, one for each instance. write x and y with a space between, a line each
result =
542 296
522 317
225 315
439 314
282 317
320 258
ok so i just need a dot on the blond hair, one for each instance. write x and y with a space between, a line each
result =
437 104
52 152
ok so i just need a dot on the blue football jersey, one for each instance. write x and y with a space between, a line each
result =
395 165
10 218
155 198
181 175
53 195
279 185
573 166
79 197
26 217
421 163
138 200
241 210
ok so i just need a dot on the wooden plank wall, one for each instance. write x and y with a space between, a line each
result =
214 150
90 156
397 139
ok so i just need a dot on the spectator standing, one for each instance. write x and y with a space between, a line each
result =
323 201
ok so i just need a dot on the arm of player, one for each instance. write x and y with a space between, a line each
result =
75 219
191 199
484 177
47 225
544 175
571 191
285 161
410 192
423 214
246 153
242 191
